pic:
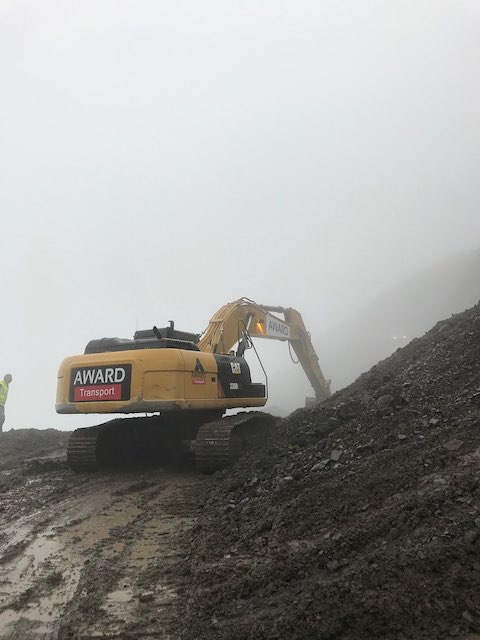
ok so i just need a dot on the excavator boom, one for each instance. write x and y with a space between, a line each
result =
237 320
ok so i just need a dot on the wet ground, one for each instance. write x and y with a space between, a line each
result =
86 556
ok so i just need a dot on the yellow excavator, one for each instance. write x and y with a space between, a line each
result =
179 385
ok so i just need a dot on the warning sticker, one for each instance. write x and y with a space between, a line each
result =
198 375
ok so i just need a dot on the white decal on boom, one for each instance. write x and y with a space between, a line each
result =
276 328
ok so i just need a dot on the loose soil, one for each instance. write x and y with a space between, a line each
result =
359 519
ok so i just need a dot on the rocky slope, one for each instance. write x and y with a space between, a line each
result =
361 519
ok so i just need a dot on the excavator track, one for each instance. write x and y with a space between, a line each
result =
93 448
221 442
81 449
116 443
138 440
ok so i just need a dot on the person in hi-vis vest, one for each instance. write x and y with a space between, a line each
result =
3 397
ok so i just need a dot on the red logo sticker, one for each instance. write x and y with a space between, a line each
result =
97 392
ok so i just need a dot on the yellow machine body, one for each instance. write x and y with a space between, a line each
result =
154 380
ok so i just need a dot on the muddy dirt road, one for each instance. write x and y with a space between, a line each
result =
86 556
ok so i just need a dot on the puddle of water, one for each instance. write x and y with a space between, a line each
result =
24 571
7 617
20 567
46 610
42 548
43 614
119 596
61 551
33 555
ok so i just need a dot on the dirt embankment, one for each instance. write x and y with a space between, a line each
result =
19 446
360 519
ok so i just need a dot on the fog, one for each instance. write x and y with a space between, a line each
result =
386 323
159 159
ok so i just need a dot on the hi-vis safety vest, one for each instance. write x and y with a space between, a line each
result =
3 392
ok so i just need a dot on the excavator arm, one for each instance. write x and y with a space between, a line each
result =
238 321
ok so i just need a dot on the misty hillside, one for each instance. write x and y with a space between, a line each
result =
390 321
404 312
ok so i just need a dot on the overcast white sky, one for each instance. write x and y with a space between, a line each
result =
159 159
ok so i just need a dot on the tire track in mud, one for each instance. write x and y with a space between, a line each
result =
97 562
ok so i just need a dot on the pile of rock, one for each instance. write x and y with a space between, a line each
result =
361 519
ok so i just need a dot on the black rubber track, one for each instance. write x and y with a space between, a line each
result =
221 442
